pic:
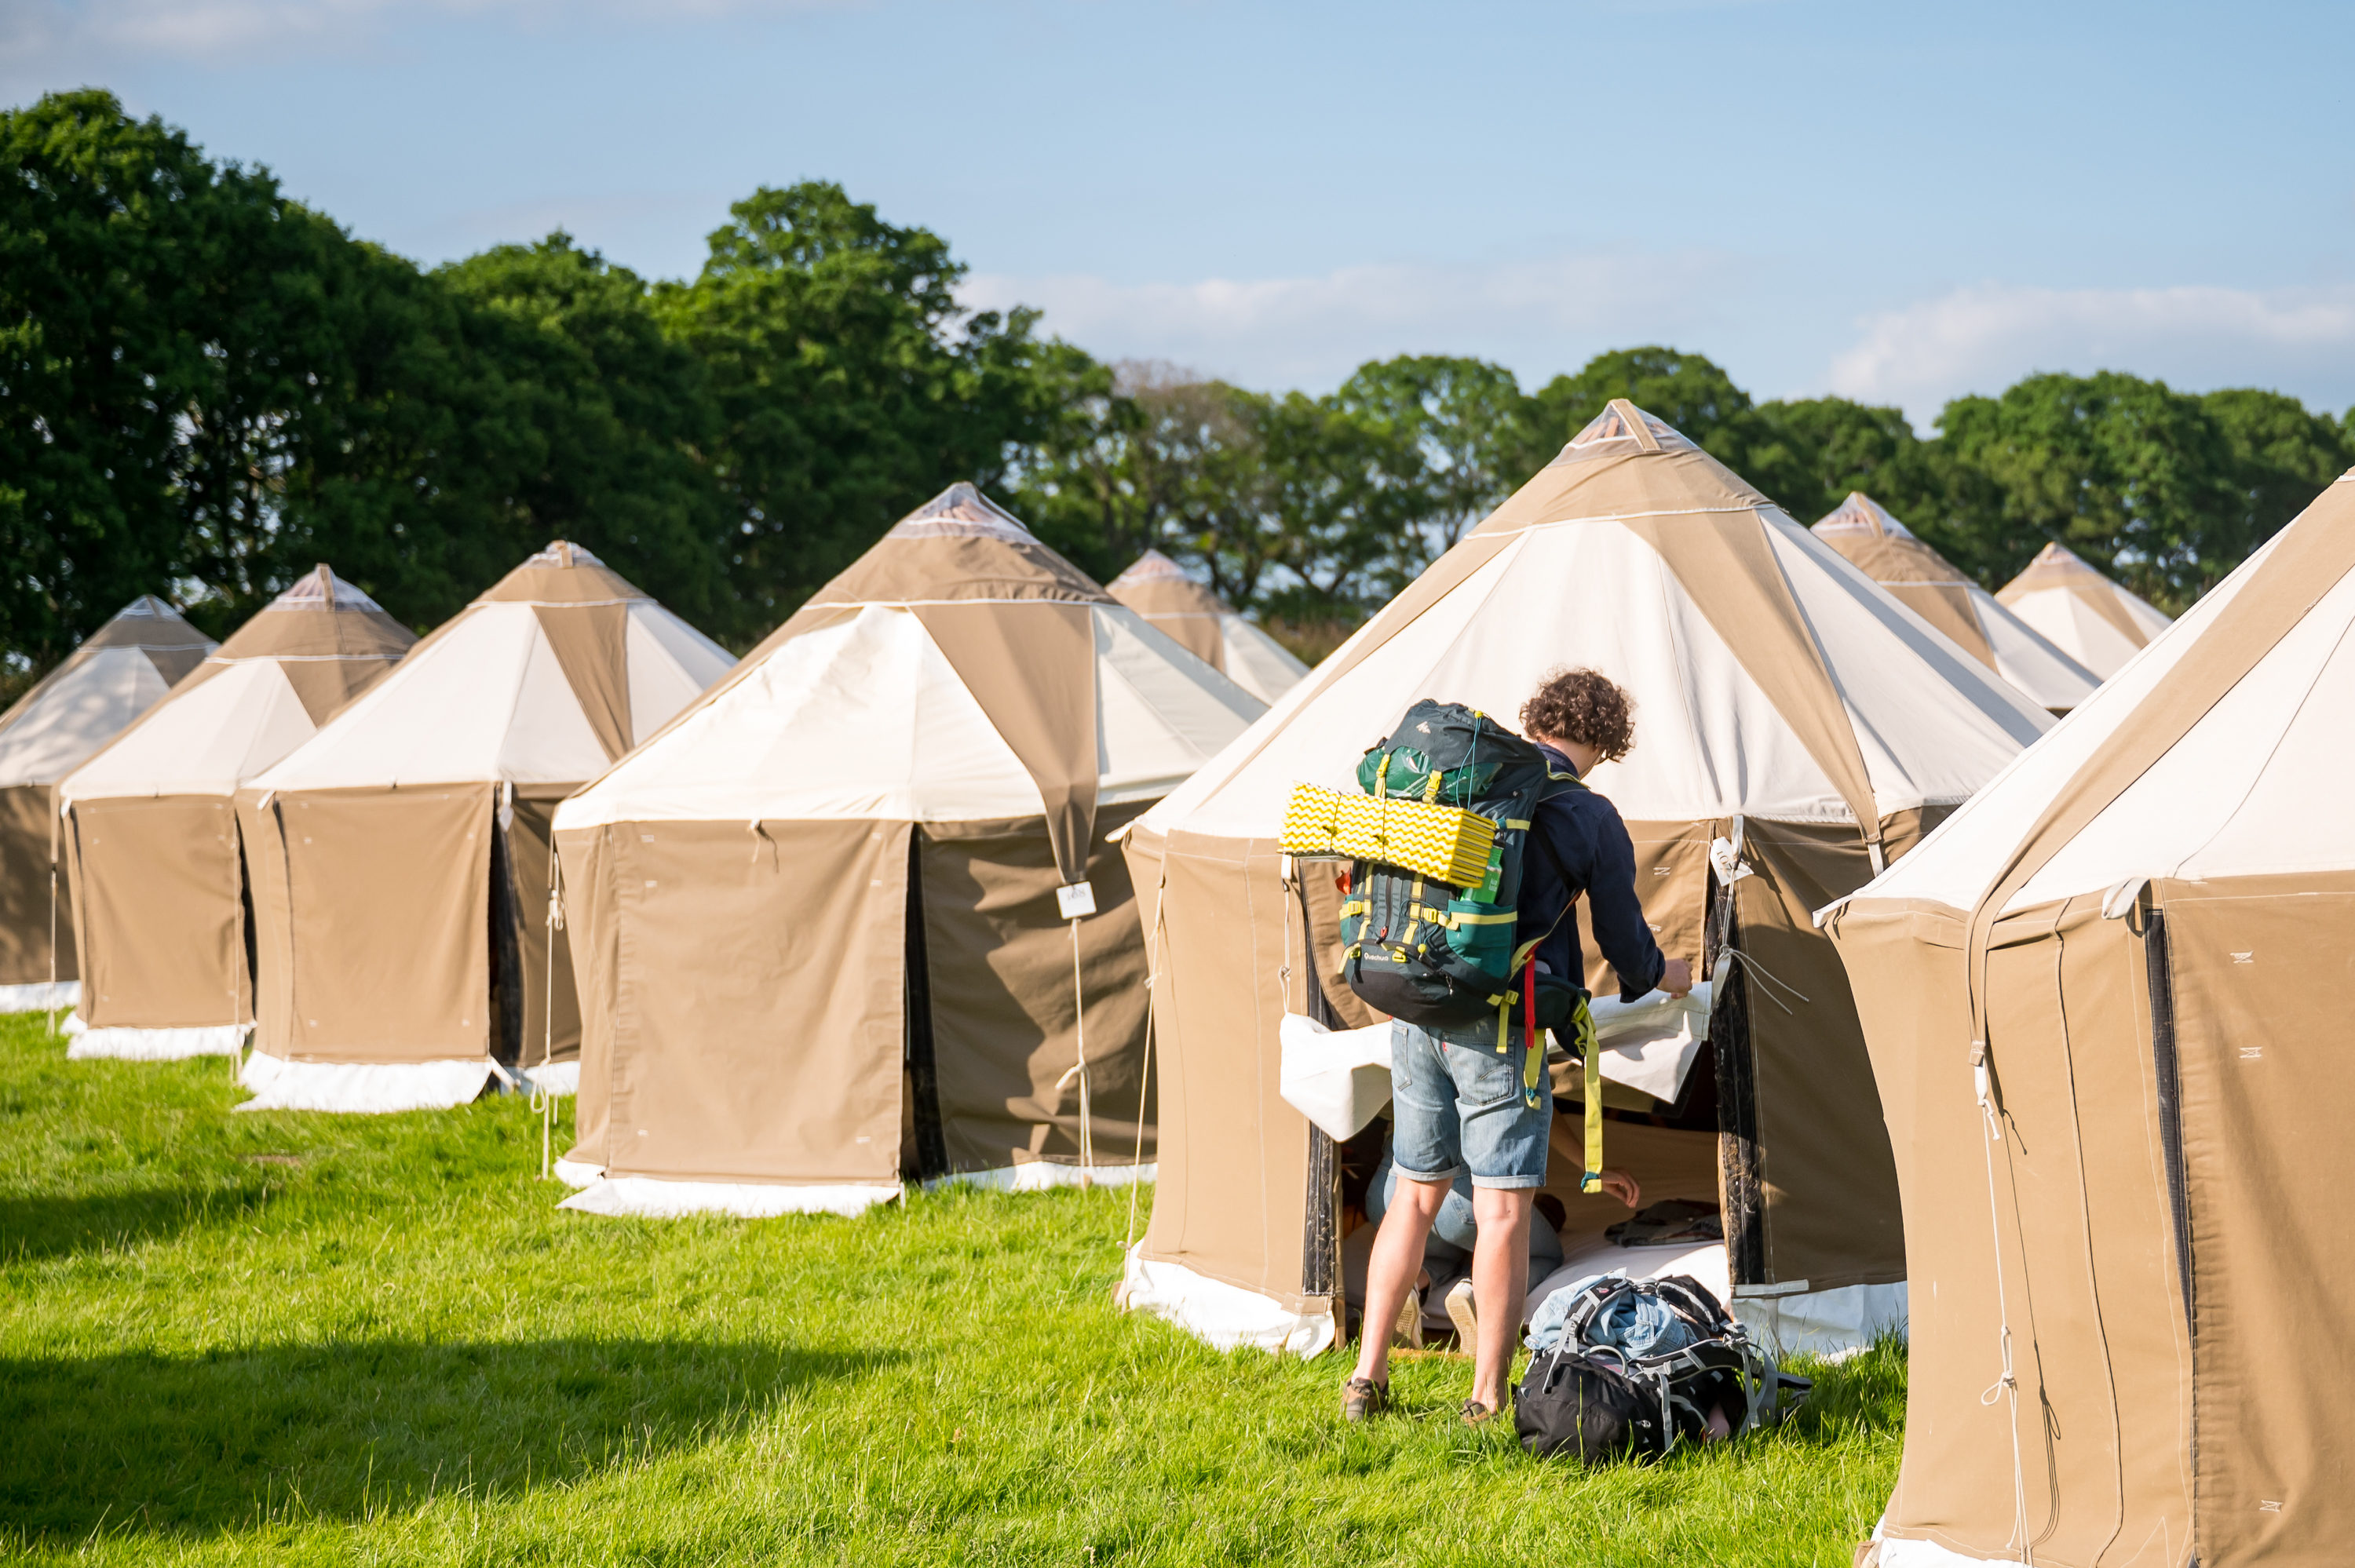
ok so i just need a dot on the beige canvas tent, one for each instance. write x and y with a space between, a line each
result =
2123 1213
120 671
823 946
1200 622
400 858
150 821
1792 719
1932 587
2080 611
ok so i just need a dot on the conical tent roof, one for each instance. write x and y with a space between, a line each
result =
547 678
1930 585
1202 623
2080 611
151 838
416 821
1784 704
2105 1008
847 855
120 671
254 698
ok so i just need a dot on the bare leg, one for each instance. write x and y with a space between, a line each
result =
1391 1271
1500 1284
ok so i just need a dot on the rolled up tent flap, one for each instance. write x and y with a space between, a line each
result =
1034 673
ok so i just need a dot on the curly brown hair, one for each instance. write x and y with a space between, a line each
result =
1586 707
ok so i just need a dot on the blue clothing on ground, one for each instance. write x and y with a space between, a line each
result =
1636 1323
1579 842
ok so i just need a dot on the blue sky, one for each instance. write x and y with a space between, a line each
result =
1896 202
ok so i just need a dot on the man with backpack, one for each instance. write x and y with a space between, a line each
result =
1465 1097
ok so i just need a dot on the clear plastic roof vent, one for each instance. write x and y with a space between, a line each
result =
320 589
1861 514
146 605
960 511
1623 428
564 553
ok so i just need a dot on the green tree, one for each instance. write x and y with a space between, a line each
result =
849 383
2138 478
1467 421
2284 455
153 310
1696 396
610 420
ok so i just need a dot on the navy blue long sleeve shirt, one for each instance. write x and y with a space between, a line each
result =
1585 848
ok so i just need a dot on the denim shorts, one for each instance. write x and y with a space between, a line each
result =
1458 1107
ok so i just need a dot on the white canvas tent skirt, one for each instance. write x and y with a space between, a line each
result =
42 996
129 1045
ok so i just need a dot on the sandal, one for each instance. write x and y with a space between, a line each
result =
1475 1414
1361 1397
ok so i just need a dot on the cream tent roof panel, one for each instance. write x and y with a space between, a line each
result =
77 715
206 741
1927 714
120 671
1258 662
1158 721
1956 864
486 696
801 735
1930 722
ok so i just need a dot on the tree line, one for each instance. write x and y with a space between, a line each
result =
205 386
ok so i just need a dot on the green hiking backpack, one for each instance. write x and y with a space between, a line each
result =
1443 955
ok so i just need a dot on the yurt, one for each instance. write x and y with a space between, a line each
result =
405 947
120 671
1795 729
2103 1004
1200 622
1932 587
852 921
150 822
2080 611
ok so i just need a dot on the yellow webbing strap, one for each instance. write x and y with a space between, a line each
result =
1590 1051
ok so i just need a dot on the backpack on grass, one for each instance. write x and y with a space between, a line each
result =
1637 1367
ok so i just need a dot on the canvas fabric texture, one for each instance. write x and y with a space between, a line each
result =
27 832
998 957
783 1063
163 932
2154 1427
374 943
150 826
1231 1199
1175 605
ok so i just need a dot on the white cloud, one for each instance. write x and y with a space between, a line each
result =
1982 339
1537 316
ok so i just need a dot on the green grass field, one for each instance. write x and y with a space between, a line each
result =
310 1339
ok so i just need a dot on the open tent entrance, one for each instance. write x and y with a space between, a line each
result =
1696 1158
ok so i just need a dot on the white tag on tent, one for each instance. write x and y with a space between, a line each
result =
1078 899
1337 1078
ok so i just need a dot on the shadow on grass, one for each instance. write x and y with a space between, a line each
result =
32 1228
154 1444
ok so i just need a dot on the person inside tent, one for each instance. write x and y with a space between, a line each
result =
1460 1118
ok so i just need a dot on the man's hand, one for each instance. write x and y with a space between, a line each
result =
1622 1186
1677 978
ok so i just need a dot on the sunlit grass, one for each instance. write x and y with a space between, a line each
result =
304 1338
